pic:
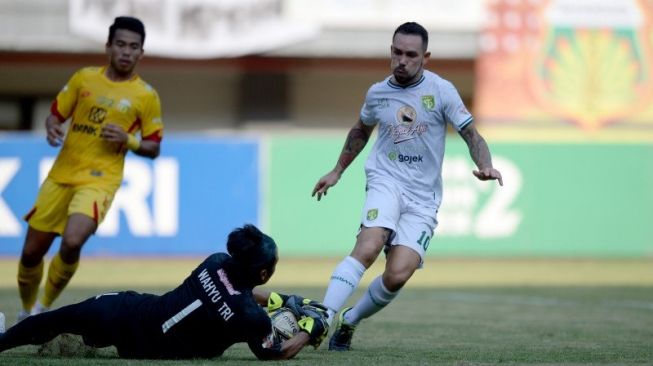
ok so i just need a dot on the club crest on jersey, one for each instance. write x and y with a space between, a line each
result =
428 102
124 105
372 214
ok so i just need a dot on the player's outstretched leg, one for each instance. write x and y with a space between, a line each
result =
341 338
343 283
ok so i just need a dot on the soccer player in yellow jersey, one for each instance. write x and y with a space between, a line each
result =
106 106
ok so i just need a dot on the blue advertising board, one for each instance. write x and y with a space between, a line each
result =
184 202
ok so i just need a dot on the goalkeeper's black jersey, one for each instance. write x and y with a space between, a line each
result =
206 314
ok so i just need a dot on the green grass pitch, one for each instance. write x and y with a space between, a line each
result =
453 312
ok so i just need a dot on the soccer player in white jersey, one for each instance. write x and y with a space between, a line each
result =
404 182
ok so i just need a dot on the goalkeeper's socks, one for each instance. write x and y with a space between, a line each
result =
376 298
343 283
59 274
29 279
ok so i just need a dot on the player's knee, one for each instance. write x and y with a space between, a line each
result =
367 249
72 242
394 280
365 256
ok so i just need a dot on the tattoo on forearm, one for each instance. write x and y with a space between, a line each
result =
355 143
480 152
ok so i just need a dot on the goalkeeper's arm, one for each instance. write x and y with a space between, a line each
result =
313 329
261 296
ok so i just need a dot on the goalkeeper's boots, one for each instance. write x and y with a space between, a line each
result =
341 338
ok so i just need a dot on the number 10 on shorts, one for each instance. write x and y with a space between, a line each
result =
424 240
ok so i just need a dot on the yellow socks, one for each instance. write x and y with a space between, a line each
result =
29 279
59 274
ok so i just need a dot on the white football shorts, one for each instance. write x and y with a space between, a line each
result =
411 222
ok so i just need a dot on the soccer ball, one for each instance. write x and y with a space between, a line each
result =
284 324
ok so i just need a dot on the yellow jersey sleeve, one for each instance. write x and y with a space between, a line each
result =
151 122
65 102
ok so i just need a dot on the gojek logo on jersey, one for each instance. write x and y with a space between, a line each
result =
408 159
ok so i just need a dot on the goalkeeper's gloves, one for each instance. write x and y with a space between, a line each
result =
276 301
293 302
315 324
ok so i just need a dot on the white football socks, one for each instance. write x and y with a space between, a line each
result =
375 298
343 283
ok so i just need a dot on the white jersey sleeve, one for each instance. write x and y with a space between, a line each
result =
453 108
367 115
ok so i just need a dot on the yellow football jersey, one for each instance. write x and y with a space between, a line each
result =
92 100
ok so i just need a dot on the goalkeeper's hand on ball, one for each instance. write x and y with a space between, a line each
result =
293 302
314 322
299 305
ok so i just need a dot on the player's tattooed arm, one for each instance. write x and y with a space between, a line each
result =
354 144
478 148
480 153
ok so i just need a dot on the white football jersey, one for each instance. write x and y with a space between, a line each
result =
412 124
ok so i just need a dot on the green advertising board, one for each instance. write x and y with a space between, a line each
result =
558 199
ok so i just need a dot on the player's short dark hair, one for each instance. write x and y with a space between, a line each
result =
128 23
416 29
251 249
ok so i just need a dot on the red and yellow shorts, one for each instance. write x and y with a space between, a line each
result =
55 202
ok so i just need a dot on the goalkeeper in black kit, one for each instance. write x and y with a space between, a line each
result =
215 307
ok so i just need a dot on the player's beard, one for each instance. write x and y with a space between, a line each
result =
405 78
